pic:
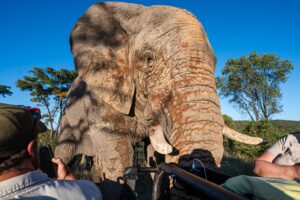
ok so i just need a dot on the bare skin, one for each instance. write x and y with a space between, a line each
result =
63 172
265 167
28 165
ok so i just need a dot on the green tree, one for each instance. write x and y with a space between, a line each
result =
48 88
228 121
4 90
252 84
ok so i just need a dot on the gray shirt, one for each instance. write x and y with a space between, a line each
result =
37 185
287 150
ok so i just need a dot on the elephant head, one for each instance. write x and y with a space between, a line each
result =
143 71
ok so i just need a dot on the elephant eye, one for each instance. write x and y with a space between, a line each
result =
146 59
149 59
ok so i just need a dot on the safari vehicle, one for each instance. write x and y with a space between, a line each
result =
200 183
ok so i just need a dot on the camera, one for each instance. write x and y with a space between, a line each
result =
45 163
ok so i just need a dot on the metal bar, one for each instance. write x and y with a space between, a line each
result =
148 169
157 183
209 189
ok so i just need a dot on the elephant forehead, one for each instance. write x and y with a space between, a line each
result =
158 21
93 61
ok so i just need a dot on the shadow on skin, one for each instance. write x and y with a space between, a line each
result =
76 137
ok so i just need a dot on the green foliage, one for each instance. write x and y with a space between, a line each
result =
238 158
48 87
270 130
228 121
4 90
47 138
252 84
286 125
281 125
263 129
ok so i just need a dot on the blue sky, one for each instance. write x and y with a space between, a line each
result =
36 33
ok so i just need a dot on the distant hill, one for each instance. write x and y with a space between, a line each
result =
287 126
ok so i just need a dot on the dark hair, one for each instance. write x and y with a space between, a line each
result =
13 161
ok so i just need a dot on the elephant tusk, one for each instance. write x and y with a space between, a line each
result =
246 139
159 141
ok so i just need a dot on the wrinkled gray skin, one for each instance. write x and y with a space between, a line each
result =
140 69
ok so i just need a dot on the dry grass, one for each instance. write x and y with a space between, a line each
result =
234 166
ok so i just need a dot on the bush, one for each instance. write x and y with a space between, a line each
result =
229 121
265 129
47 138
238 158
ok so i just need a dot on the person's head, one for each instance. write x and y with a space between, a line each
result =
18 134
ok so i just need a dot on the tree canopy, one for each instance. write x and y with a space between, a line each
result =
5 90
48 87
252 84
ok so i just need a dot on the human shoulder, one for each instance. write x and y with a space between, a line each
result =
75 188
294 136
288 139
87 185
279 147
291 139
36 184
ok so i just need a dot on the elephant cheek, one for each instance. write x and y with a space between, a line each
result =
156 109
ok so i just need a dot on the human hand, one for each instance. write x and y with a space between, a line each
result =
63 172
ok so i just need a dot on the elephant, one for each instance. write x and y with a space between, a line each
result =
142 72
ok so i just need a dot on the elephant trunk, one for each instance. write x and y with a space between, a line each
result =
196 120
195 125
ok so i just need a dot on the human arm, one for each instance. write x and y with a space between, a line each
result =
265 167
63 172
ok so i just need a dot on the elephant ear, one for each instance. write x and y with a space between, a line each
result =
100 48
